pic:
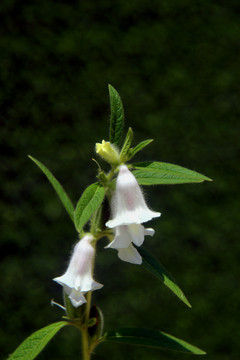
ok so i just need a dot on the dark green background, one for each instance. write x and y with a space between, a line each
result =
176 66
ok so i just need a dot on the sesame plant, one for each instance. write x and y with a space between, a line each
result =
114 208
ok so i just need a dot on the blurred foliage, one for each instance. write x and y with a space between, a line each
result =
176 65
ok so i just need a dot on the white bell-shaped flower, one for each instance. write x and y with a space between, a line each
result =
78 279
128 204
125 235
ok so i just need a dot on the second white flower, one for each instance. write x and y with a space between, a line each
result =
128 204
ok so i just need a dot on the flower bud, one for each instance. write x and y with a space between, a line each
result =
108 152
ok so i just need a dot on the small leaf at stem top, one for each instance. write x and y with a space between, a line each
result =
139 147
124 155
117 116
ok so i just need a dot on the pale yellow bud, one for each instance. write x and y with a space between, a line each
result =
108 152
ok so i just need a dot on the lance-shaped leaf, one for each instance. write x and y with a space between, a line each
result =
139 147
90 200
67 203
152 338
156 173
117 116
156 268
36 342
124 155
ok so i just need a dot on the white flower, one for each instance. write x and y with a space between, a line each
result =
129 210
128 204
125 235
78 279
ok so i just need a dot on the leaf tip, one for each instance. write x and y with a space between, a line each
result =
208 179
32 158
200 352
187 303
110 88
205 178
185 300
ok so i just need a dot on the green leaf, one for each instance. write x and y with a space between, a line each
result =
67 203
139 147
156 173
126 146
36 342
117 116
90 200
157 269
153 338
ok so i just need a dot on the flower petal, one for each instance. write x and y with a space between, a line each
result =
130 255
122 238
149 231
137 233
76 298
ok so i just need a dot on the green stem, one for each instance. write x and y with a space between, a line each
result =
85 337
85 344
88 306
